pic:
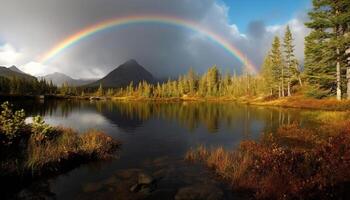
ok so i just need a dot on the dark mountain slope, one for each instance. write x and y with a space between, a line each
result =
124 74
12 72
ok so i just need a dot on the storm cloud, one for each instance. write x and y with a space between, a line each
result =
30 28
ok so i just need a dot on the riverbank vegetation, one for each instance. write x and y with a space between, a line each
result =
35 149
291 163
299 101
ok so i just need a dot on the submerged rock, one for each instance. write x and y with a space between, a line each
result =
199 192
135 188
145 179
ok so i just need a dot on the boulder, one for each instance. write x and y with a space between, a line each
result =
145 179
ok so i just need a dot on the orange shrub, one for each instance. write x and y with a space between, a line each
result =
293 163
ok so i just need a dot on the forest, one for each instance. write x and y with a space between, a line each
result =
21 86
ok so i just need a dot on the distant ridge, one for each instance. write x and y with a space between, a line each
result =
60 78
13 71
130 71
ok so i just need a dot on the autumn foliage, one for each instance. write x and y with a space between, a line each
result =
293 163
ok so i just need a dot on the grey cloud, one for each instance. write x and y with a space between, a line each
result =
256 29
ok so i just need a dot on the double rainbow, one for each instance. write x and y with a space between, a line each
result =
142 19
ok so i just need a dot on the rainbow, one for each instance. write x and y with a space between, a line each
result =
168 20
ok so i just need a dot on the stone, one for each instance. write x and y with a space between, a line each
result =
145 179
199 192
135 188
146 189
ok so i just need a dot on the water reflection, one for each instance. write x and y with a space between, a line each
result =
152 130
130 115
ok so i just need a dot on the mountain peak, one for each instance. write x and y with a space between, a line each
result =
15 69
130 71
130 64
131 61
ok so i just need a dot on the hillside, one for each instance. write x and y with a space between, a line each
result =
15 69
14 72
128 72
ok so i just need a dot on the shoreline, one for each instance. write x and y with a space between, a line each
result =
297 102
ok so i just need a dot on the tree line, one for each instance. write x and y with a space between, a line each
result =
280 70
21 86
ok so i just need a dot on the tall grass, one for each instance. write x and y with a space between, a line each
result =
309 103
293 163
38 148
68 146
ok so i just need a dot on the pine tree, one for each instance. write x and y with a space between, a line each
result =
100 90
191 78
292 70
348 73
267 74
213 77
326 44
277 66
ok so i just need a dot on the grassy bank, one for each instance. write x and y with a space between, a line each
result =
301 102
36 149
174 99
292 163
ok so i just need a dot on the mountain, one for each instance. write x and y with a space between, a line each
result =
60 78
124 74
15 72
15 69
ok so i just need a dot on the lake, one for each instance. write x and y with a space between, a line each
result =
155 137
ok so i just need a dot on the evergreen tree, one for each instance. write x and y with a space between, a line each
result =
292 70
277 66
325 46
267 74
192 79
100 90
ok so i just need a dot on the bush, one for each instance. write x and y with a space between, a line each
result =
97 144
316 92
12 124
40 130
293 163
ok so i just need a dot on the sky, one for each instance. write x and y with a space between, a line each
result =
31 28
271 12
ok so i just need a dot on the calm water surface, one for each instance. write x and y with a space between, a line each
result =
155 138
